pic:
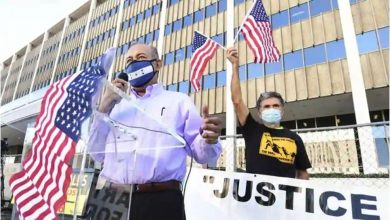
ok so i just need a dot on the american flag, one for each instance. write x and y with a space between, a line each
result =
40 188
203 49
257 32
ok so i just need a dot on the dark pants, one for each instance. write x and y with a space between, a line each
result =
163 205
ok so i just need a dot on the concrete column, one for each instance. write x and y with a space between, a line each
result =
28 49
9 72
45 37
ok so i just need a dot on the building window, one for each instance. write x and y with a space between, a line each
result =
140 17
172 87
183 87
156 8
386 113
275 67
199 15
148 13
218 38
132 21
279 19
293 60
319 6
169 58
237 2
348 119
177 25
149 38
211 10
306 123
376 116
187 20
327 121
221 78
209 81
367 42
335 50
189 51
255 70
242 72
384 37
222 6
288 124
314 55
156 33
299 12
168 29
180 54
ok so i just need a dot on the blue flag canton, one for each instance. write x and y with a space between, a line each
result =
258 12
77 105
199 40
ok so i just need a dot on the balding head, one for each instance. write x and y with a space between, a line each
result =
141 52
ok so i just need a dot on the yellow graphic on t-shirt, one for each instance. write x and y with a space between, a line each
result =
281 148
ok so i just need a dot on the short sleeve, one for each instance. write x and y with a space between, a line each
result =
302 161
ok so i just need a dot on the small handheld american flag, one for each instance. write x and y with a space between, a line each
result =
40 188
257 32
203 49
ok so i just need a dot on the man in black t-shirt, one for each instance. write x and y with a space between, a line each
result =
269 148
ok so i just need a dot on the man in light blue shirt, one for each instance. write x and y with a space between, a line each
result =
151 155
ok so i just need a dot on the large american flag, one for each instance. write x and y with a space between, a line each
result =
257 32
203 49
40 188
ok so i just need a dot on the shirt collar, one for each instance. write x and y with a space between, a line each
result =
150 90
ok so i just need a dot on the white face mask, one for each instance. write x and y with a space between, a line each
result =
272 116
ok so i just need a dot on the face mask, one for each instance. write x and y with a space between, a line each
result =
272 116
140 72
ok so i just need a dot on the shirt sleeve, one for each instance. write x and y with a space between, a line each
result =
302 161
97 139
196 146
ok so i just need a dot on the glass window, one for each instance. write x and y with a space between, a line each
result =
275 67
140 17
314 55
199 15
156 8
149 38
169 58
148 13
386 113
299 12
288 124
293 60
384 37
279 19
335 50
168 29
180 54
125 48
183 86
187 20
242 72
255 70
172 2
334 5
306 123
209 81
156 33
382 149
327 121
367 42
376 116
345 119
211 10
132 21
177 25
172 87
222 5
319 6
218 38
141 40
237 2
221 78
189 51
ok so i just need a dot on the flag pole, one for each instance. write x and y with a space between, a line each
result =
246 16
211 39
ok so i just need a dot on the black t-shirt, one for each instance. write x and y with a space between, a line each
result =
276 152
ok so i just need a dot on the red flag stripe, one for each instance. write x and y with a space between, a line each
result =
203 65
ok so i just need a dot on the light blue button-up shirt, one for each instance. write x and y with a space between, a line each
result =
146 152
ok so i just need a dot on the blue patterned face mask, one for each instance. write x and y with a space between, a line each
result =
140 72
271 115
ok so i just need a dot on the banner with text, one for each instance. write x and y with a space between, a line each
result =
227 195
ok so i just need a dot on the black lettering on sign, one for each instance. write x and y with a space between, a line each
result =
290 190
123 199
248 191
109 193
225 189
309 200
103 214
271 197
358 206
324 203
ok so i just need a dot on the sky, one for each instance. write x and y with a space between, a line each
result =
21 21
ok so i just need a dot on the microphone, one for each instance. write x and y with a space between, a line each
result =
123 76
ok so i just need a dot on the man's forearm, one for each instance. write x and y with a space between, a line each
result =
236 87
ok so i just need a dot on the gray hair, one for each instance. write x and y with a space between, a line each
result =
267 95
154 49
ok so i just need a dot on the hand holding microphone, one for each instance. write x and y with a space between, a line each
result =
110 97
